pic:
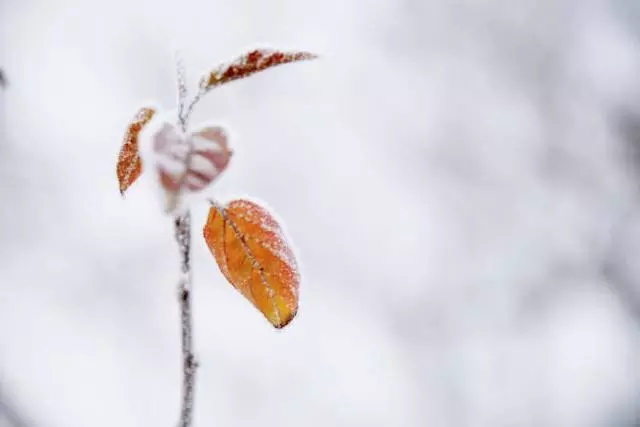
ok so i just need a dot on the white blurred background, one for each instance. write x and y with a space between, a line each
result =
459 177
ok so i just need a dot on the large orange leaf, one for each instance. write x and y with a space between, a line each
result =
252 253
129 166
250 63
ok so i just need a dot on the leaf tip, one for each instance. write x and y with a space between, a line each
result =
286 321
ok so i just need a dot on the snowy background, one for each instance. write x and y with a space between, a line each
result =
460 179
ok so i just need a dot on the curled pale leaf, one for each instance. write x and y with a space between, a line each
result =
250 63
188 163
129 166
250 248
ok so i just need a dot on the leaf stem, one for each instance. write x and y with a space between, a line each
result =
194 101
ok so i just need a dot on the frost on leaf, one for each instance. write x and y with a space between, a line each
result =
188 163
129 165
252 253
248 64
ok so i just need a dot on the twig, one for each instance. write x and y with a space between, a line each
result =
182 90
182 226
193 103
189 365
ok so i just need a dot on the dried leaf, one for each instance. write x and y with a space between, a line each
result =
250 63
188 163
129 165
252 253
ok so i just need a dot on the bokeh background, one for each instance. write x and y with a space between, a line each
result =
460 178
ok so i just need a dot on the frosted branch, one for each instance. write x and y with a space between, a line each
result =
189 365
182 227
181 89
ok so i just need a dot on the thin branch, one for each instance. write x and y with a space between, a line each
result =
189 364
182 227
194 101
182 89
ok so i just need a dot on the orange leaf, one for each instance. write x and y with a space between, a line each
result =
250 63
252 253
129 165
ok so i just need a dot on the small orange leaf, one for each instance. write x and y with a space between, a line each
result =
252 253
250 63
129 166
